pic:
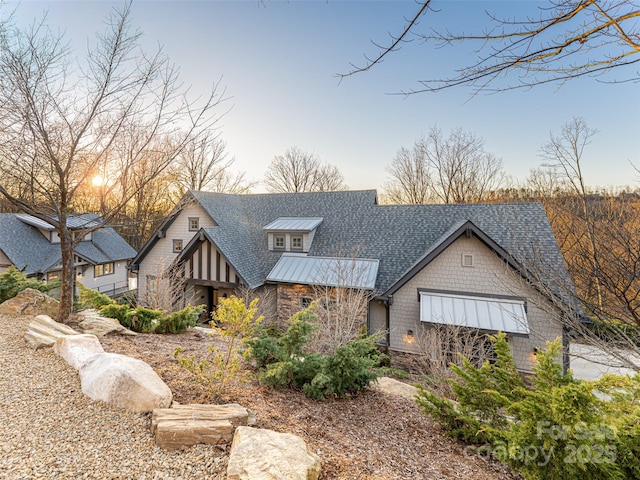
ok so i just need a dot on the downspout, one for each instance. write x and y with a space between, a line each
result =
566 361
388 304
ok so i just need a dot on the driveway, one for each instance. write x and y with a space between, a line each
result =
591 363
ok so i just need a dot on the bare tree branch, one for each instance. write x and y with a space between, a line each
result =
567 39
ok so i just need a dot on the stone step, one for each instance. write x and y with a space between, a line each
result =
185 425
175 434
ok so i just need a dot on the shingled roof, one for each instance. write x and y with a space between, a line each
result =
399 236
27 248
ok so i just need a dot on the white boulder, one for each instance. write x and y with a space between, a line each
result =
124 382
43 331
99 326
76 349
260 454
391 386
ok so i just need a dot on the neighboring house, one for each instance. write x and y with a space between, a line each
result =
493 267
29 243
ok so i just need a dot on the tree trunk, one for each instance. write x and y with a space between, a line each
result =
68 273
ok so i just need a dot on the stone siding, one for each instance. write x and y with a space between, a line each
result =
289 300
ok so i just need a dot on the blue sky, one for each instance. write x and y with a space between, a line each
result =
278 62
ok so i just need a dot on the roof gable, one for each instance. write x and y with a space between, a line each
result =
186 200
465 228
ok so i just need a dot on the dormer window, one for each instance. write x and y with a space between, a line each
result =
292 234
296 242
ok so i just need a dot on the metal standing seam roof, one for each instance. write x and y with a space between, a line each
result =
489 314
294 224
73 221
329 271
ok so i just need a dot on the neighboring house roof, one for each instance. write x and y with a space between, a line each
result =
399 236
293 224
27 248
74 221
302 269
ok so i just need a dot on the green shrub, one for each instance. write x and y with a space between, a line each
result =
114 310
558 428
89 298
178 322
142 319
235 322
13 281
283 361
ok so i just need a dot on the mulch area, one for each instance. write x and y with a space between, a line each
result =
370 436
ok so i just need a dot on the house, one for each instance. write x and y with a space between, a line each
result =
491 267
29 243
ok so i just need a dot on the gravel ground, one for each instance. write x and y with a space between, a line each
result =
49 429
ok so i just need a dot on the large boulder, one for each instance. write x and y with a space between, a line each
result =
99 326
123 382
259 454
76 349
30 302
43 331
394 387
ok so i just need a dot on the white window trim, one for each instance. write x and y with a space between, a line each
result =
275 241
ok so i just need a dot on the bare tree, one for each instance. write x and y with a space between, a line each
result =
167 287
439 346
205 165
61 121
553 43
343 298
410 181
300 171
449 170
563 154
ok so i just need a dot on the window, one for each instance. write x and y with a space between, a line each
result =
296 242
152 286
305 302
53 276
278 242
104 269
177 246
194 224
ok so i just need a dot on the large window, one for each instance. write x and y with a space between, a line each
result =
104 269
177 246
194 224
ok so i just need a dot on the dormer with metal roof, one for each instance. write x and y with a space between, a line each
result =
292 234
